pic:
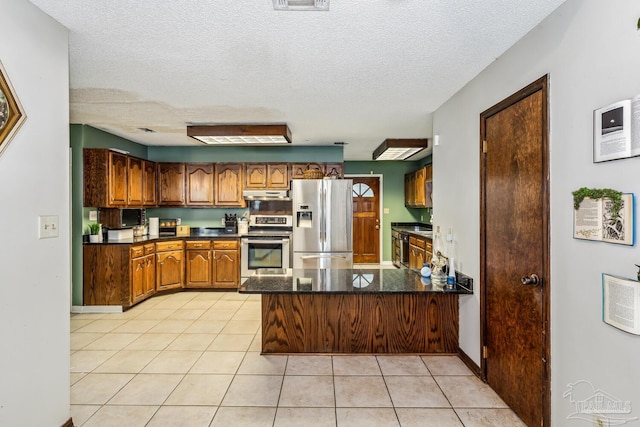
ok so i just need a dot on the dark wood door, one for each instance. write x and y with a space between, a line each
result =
366 224
514 239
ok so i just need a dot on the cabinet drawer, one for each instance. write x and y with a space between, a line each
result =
225 244
137 251
199 244
428 246
169 246
417 241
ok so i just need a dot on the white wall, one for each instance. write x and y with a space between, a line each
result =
591 51
34 180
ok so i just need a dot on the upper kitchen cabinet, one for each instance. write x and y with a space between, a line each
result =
171 184
334 170
149 185
200 179
417 188
135 182
266 176
327 169
105 178
229 182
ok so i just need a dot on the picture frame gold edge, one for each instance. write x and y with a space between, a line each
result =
15 105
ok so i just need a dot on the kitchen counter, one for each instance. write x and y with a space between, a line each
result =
424 230
351 281
196 233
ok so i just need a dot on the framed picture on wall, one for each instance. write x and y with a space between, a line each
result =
11 113
616 130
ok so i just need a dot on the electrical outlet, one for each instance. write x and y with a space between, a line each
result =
47 226
93 215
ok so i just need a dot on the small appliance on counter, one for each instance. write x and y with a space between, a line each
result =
231 223
168 227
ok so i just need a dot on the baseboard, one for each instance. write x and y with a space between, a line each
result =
78 309
69 423
470 363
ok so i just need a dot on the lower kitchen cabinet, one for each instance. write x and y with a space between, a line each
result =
143 272
169 265
198 264
226 269
212 264
420 252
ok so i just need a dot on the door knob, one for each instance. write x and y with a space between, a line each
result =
377 227
531 280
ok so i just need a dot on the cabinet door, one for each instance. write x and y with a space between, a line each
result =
428 178
138 278
420 188
149 184
171 191
169 270
226 269
229 184
278 176
297 170
150 275
200 184
135 182
118 165
255 175
198 268
334 169
408 189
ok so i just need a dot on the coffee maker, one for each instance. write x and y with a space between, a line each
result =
231 223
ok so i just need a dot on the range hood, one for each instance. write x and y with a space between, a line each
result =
266 195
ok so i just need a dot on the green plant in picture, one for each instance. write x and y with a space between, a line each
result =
94 229
638 23
597 193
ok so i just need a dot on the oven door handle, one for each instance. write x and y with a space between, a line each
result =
264 241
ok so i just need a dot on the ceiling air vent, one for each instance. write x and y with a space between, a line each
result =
301 4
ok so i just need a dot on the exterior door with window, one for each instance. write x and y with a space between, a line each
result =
366 221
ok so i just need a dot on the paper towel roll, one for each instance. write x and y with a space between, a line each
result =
154 226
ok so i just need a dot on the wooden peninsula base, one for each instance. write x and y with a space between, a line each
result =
359 322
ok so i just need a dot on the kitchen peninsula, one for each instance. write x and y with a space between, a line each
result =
368 310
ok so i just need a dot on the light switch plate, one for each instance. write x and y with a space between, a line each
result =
385 210
93 215
47 226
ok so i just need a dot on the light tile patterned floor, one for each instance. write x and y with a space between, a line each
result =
193 359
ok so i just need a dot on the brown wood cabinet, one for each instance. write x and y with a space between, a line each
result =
334 170
420 252
212 264
143 272
171 184
328 169
149 184
200 178
198 264
135 181
417 188
105 178
226 264
229 182
266 176
169 265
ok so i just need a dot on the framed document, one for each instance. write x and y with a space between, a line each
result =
621 303
616 130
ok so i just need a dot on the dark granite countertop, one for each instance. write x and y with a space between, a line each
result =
417 228
197 233
349 281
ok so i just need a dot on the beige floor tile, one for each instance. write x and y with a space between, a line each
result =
468 392
308 417
311 391
81 413
126 315
356 365
256 344
244 417
187 314
76 324
135 325
187 416
149 303
218 362
309 365
169 326
147 389
228 342
118 416
97 389
428 417
79 340
152 342
402 365
234 296
77 376
205 326
171 303
489 417
446 365
208 296
200 390
127 362
253 390
241 327
224 304
366 417
112 341
192 342
172 362
247 314
88 360
361 391
156 314
216 314
196 304
102 325
256 364
415 392
90 316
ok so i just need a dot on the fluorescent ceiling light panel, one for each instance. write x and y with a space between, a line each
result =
301 4
241 134
399 149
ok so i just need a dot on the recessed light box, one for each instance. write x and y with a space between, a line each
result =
399 149
241 134
301 5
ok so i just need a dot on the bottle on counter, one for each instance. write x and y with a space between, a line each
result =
451 273
438 260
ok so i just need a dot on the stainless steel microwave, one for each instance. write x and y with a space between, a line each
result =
121 218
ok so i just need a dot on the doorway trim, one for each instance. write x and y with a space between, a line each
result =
542 84
380 208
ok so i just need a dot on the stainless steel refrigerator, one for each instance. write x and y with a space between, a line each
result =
322 223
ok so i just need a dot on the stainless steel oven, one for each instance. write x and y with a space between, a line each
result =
264 251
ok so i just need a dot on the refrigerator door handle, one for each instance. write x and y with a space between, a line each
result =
324 256
323 211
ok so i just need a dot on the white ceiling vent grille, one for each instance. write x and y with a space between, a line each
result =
301 4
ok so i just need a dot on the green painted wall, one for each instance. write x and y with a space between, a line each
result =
246 154
392 194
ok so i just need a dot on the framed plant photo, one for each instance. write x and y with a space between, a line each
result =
11 113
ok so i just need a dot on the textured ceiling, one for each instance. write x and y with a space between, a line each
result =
362 72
